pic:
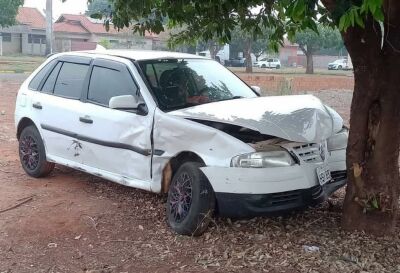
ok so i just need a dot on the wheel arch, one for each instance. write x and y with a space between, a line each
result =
22 124
173 165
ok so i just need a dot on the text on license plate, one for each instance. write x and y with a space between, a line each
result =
323 174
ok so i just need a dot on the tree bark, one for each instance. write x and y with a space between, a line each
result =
372 198
214 48
371 202
247 55
310 63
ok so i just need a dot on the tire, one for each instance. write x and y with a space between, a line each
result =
278 66
32 153
263 66
339 67
198 205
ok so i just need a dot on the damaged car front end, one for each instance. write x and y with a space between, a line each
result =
260 155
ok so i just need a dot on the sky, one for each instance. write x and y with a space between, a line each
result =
70 6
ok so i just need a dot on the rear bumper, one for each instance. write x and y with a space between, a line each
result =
252 205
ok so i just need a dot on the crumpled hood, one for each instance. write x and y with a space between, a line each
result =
300 118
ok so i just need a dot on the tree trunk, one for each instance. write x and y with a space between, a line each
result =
49 27
372 197
214 48
310 62
247 55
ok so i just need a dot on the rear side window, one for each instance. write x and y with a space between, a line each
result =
51 80
106 83
35 82
70 80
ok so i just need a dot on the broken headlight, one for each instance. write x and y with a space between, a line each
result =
338 141
274 156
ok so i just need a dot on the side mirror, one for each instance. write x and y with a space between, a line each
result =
256 89
125 102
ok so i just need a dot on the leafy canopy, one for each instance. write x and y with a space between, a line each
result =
8 11
311 41
206 20
99 7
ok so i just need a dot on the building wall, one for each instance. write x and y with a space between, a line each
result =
124 41
287 52
15 45
36 47
320 61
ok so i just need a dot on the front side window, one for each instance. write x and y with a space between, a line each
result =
70 80
106 83
181 83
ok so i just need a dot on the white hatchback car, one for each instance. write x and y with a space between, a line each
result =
268 63
184 125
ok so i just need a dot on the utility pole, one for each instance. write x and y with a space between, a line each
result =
1 45
49 27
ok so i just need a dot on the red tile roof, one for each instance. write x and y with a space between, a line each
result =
68 23
31 17
89 26
69 27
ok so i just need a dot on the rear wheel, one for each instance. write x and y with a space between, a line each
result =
263 66
32 153
191 200
339 67
278 66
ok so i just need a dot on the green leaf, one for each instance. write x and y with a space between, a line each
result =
359 20
374 203
342 22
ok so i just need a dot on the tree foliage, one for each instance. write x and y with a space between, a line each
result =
9 11
99 7
259 45
311 41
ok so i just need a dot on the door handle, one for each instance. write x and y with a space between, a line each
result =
86 119
37 105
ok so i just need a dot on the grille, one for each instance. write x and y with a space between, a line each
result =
338 175
288 197
309 153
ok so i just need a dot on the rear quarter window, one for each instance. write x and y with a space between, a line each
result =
37 79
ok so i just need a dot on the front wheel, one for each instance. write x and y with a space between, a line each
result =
278 66
32 153
191 201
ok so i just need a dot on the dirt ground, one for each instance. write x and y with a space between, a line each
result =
74 222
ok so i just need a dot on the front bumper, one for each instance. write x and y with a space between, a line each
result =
252 205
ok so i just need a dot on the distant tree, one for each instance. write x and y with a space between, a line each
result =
99 6
9 11
105 43
310 42
243 41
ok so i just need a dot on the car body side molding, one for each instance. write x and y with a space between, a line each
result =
145 152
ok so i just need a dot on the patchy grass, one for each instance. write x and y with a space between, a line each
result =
19 63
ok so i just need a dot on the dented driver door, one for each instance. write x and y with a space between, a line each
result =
116 141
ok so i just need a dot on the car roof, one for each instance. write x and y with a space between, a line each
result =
136 54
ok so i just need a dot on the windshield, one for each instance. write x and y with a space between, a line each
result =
181 83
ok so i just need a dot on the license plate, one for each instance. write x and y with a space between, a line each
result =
324 174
